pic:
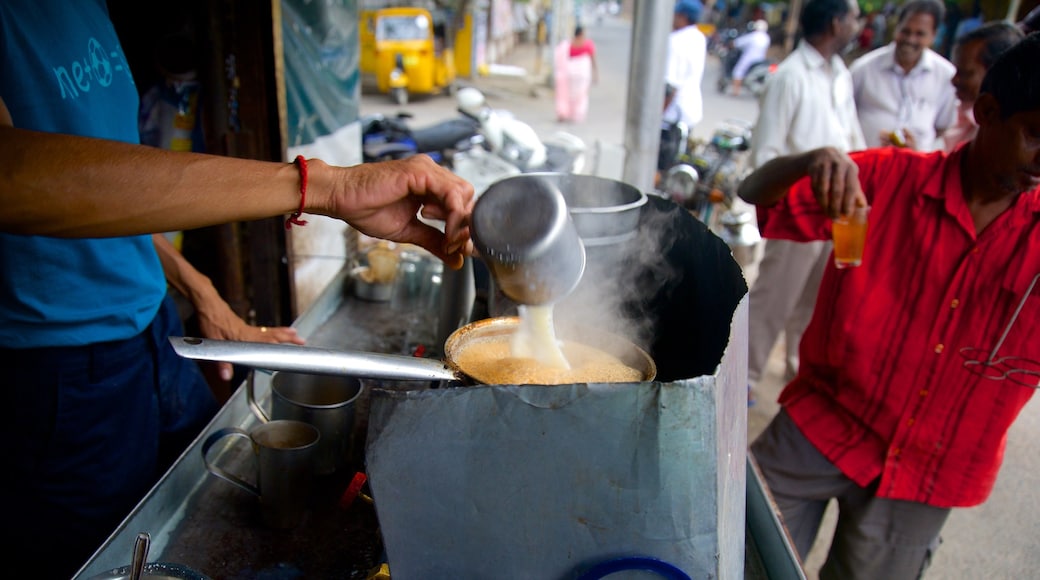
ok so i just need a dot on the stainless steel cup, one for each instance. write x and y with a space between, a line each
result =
325 401
524 233
284 452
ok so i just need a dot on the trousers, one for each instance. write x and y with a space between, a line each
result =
92 428
782 299
874 538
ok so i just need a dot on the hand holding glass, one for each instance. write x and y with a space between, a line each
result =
850 234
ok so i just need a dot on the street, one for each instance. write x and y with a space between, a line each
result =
995 540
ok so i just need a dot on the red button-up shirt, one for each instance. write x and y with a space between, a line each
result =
882 389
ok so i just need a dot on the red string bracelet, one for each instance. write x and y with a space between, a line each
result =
294 218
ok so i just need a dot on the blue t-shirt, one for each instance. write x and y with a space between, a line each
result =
64 72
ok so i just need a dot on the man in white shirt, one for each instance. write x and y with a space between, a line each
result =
687 51
753 47
903 91
806 104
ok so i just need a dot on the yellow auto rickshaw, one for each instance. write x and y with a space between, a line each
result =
407 52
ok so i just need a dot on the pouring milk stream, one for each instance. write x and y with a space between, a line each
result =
523 230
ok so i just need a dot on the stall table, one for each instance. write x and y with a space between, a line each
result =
208 525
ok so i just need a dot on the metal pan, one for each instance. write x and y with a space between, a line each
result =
367 365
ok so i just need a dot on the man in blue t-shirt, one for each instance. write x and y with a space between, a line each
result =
96 393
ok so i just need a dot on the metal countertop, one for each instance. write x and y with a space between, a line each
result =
212 527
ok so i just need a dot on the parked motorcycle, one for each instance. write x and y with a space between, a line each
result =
384 137
516 142
706 179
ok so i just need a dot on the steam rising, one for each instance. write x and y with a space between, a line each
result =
618 282
620 278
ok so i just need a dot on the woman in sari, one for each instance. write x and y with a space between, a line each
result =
575 71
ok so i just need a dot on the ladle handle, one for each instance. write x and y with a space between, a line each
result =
319 361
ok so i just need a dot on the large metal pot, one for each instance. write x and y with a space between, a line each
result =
605 211
367 365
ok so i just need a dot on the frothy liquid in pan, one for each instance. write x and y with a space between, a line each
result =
533 356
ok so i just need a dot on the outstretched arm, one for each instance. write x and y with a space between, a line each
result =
216 319
834 179
67 186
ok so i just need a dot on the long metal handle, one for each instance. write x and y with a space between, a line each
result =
319 361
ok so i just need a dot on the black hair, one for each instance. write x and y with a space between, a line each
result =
932 7
1031 22
578 30
996 37
817 15
1012 79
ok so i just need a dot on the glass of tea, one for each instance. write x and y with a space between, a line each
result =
850 233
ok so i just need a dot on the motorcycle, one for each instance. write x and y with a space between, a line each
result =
757 74
384 137
516 142
705 181
721 42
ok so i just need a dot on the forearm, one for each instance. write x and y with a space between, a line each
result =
180 274
769 183
68 186
216 319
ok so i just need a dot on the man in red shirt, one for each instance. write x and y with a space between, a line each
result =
893 411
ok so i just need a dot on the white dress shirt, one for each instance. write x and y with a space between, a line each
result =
687 51
922 101
806 104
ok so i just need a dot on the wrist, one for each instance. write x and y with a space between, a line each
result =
295 218
319 188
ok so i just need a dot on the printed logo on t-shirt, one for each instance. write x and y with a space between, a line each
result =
97 69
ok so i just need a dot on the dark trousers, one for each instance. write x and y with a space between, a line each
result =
89 431
874 538
670 148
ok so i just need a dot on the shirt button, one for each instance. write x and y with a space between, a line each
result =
975 250
923 392
955 303
910 422
895 452
939 348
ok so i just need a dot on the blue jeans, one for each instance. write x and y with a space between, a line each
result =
89 430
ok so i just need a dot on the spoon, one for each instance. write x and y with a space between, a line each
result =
140 555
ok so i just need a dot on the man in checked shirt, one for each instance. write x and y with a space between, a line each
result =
884 415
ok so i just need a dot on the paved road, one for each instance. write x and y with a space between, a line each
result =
995 540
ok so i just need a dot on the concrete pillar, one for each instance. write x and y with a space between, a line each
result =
652 21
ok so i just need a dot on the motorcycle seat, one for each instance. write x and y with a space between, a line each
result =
444 135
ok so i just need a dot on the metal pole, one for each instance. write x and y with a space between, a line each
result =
791 26
1012 13
651 24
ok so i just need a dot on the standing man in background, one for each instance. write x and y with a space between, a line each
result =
973 54
903 91
684 69
807 104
